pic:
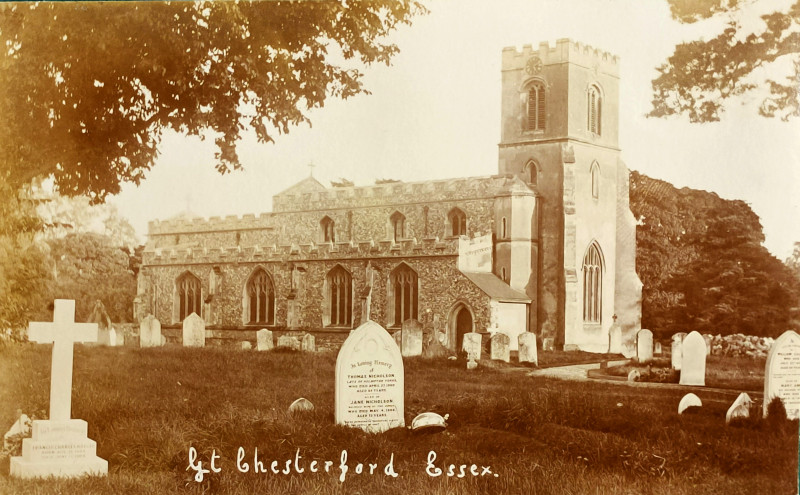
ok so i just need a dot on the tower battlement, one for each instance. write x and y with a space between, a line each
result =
565 51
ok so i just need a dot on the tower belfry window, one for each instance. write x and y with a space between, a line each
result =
535 110
328 230
458 222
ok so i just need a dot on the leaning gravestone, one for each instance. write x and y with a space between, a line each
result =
739 409
693 364
60 446
194 331
473 345
150 332
689 400
644 346
264 340
500 343
527 348
309 343
677 350
782 374
370 381
411 336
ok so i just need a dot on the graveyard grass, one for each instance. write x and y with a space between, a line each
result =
744 374
146 407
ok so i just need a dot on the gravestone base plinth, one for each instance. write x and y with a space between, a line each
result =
58 448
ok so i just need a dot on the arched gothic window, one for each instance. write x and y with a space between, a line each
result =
535 110
594 110
532 172
328 229
260 299
458 222
340 297
403 287
189 296
595 180
398 222
592 285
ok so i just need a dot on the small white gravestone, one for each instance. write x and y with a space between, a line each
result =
264 340
693 364
739 409
527 348
657 348
782 373
548 344
370 382
289 341
411 338
60 446
301 405
500 347
472 345
112 337
194 331
150 332
246 345
689 400
309 343
677 350
644 346
615 339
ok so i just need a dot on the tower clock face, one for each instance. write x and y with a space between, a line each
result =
534 65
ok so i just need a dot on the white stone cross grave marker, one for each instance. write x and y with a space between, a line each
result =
63 332
60 446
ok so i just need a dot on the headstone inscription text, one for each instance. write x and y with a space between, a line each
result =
370 380
782 374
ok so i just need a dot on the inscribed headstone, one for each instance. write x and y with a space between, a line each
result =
689 400
370 383
194 331
289 341
644 346
500 349
527 348
60 446
782 373
740 408
150 332
677 350
472 345
309 343
547 344
264 340
411 338
693 364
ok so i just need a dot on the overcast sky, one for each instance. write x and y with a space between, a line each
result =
435 113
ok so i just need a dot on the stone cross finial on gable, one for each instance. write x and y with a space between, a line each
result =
311 169
62 332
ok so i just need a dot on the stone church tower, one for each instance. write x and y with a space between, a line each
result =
559 134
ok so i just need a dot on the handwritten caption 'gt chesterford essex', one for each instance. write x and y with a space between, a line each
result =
298 466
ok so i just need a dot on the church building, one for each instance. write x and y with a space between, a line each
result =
547 245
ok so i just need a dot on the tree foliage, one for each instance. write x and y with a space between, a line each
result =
89 268
24 263
92 85
700 76
703 267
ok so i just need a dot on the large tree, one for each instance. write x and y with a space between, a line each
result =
91 86
701 76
